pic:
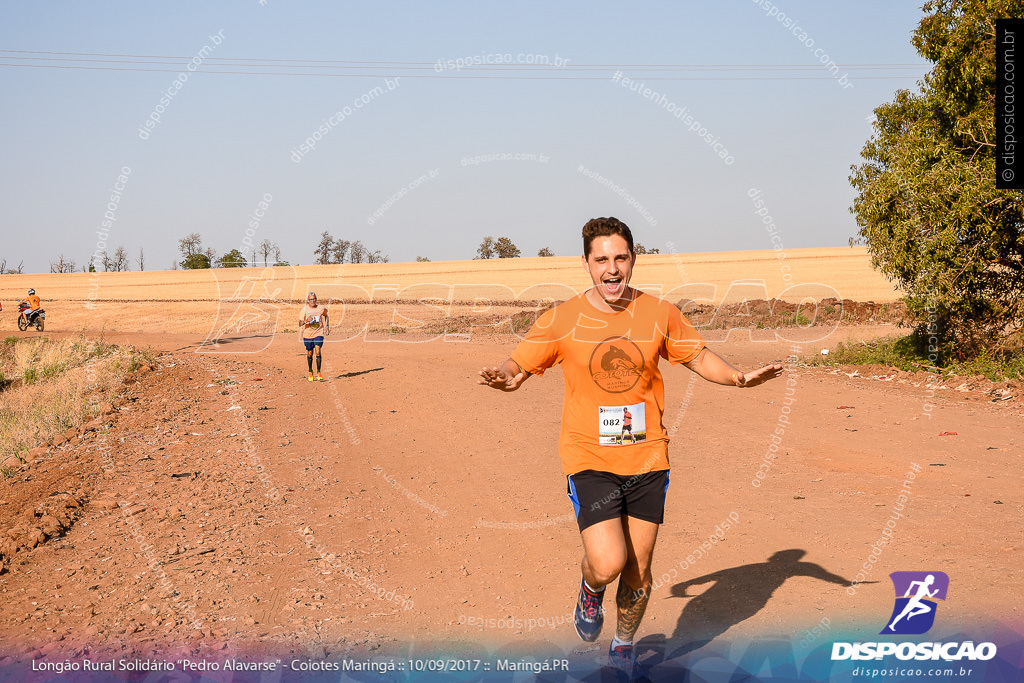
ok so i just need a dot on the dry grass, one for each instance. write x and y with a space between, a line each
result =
48 386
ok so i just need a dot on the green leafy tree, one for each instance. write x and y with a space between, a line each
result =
422 259
195 262
927 204
232 259
504 248
486 248
641 249
192 256
545 252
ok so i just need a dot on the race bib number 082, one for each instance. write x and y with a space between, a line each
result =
619 425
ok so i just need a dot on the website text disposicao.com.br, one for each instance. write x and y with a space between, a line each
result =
499 58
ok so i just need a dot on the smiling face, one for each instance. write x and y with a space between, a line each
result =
311 300
610 264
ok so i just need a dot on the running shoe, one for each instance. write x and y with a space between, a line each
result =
311 377
589 615
319 377
622 658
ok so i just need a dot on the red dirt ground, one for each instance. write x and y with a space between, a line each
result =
232 507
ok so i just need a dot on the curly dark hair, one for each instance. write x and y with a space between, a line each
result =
603 227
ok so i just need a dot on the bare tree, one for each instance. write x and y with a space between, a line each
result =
211 255
61 265
4 270
377 257
268 249
339 249
190 245
119 261
141 260
357 252
325 249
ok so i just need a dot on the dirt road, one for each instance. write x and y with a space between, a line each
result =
235 508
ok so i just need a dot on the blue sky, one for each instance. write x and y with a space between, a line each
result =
225 141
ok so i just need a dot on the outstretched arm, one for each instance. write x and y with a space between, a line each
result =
818 572
508 377
714 368
679 590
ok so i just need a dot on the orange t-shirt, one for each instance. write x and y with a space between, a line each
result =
33 302
313 317
610 361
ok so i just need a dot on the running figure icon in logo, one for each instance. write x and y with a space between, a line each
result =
916 605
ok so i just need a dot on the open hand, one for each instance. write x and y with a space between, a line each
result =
494 377
755 377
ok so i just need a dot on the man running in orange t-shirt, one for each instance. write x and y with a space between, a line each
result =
314 323
609 341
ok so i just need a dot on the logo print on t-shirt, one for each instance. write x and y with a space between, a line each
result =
616 365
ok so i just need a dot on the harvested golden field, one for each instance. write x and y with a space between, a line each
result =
222 302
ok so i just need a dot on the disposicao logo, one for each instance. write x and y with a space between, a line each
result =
917 594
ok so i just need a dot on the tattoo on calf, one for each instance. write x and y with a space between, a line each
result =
631 603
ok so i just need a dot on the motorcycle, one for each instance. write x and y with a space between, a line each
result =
28 318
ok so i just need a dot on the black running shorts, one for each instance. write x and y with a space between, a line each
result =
598 496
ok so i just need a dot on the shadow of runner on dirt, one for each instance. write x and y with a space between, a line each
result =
214 342
356 373
738 593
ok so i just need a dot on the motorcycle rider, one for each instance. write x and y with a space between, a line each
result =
34 304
